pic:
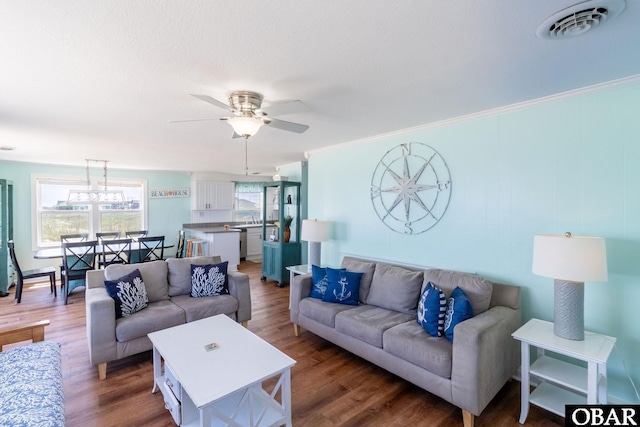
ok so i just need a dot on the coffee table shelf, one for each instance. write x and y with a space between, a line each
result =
222 386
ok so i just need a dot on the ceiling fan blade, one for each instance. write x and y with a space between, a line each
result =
284 125
213 101
279 108
189 120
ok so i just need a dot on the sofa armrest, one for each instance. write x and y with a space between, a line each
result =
298 290
239 288
101 320
485 356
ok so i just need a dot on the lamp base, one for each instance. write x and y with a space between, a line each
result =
568 310
314 254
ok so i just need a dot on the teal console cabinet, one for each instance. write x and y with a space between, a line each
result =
282 247
6 233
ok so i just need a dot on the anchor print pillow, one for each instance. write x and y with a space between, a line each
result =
129 293
209 280
432 307
343 287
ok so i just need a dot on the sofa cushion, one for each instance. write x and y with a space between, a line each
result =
322 312
180 272
477 289
368 322
31 378
366 268
128 292
395 288
343 287
154 274
459 309
209 280
158 315
408 341
432 308
199 308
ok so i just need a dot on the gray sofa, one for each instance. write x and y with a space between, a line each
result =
168 286
382 329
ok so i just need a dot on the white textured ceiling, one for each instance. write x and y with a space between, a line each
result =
100 79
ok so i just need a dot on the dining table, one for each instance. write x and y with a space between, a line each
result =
58 252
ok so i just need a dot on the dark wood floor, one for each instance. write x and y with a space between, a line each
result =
330 387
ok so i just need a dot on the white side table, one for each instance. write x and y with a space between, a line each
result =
295 270
562 382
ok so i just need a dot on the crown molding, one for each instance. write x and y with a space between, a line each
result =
488 113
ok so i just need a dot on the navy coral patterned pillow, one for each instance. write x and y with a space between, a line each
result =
129 293
432 307
343 287
209 280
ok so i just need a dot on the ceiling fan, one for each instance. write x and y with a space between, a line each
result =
249 116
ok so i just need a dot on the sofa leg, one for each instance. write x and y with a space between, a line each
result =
102 371
245 324
296 330
467 418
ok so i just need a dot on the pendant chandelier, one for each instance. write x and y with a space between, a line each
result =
95 195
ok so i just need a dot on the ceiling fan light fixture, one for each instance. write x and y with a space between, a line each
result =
245 125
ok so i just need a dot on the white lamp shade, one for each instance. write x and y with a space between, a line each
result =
314 230
574 258
245 126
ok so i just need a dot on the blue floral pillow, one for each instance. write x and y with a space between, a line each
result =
209 280
343 287
432 307
459 309
129 293
319 281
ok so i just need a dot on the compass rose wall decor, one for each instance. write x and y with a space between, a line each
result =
411 188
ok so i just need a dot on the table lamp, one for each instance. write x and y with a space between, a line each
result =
314 232
570 261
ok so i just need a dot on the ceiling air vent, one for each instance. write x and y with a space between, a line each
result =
579 18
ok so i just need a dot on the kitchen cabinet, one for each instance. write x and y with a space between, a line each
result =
212 195
254 241
281 249
226 244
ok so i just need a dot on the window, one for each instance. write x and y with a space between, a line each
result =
55 216
248 202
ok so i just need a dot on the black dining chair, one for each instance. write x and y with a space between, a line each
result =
114 251
148 249
30 274
181 241
78 237
135 235
105 236
77 259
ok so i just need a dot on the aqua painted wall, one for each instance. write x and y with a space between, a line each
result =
567 164
165 216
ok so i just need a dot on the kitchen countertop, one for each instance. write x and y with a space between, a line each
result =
213 229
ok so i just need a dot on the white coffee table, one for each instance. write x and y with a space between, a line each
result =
222 386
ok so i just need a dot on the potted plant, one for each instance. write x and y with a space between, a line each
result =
286 231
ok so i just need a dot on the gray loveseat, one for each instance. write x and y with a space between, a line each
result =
168 286
382 329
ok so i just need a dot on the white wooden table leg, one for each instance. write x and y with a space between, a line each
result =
157 370
602 384
592 383
286 396
524 381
